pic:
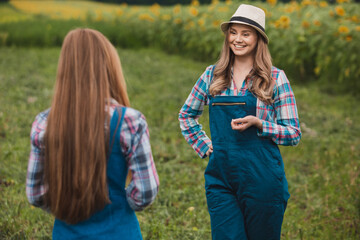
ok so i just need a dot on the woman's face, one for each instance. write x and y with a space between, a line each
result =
242 39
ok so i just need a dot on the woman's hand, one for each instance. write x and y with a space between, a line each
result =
242 124
209 151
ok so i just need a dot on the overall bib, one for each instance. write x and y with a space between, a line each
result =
117 220
245 182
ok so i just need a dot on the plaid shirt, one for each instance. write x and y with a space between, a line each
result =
279 120
135 145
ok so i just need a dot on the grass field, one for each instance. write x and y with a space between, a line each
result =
322 171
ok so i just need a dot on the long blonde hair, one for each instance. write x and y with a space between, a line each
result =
261 81
76 145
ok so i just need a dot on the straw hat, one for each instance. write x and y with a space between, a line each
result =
248 15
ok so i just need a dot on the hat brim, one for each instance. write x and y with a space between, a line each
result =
225 26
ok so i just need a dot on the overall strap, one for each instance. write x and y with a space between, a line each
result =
115 126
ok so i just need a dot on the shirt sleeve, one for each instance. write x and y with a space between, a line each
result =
286 129
35 188
192 110
135 144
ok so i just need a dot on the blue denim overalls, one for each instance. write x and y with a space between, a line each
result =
245 182
117 220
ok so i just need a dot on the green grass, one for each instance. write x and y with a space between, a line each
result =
323 171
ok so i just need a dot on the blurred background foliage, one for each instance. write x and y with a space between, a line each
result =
312 40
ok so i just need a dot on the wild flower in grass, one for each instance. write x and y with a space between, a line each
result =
155 9
166 17
177 21
339 11
342 1
331 13
119 12
190 25
146 17
216 23
347 72
355 19
223 9
284 21
305 24
323 4
228 2
317 71
201 22
343 29
193 11
306 3
214 2
195 3
177 9
276 24
31 99
271 2
348 38
317 23
289 9
99 16
357 28
190 209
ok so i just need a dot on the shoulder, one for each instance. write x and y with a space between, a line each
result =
38 127
133 120
278 76
210 68
133 114
209 71
40 121
206 78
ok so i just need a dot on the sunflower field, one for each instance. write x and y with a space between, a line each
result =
310 39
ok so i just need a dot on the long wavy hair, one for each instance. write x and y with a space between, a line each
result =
261 81
76 143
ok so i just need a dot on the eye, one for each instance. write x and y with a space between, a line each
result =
232 32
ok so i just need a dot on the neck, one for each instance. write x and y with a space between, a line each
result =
244 63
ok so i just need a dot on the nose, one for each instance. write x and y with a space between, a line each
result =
238 38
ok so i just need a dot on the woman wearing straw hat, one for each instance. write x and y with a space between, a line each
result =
252 110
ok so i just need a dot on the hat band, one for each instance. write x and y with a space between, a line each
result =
249 21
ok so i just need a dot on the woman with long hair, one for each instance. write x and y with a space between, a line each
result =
86 143
252 109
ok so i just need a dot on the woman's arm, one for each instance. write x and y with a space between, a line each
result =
35 188
192 110
134 137
286 129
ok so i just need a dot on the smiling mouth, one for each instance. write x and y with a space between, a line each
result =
239 46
